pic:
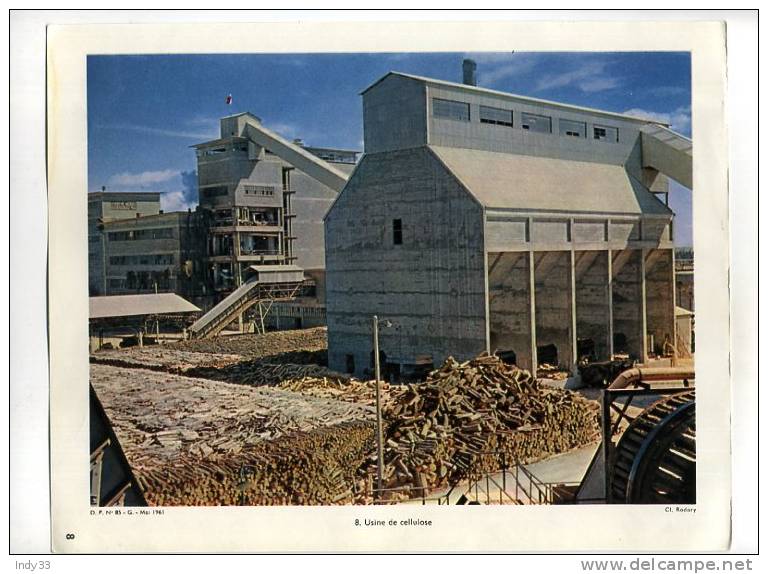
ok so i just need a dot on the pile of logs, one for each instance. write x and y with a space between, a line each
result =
351 390
306 468
193 441
548 371
259 346
163 358
467 417
257 373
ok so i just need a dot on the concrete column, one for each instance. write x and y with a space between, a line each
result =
643 306
532 299
674 305
610 303
574 340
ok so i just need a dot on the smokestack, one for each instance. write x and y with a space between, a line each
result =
470 72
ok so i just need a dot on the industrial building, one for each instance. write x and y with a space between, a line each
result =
103 208
478 220
262 199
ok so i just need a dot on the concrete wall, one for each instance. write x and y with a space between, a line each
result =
509 305
310 203
432 287
592 305
394 116
552 272
627 301
660 306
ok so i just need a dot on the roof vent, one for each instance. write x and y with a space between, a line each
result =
469 68
299 142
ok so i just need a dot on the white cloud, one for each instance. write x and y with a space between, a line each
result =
679 120
200 135
589 77
144 178
176 201
494 67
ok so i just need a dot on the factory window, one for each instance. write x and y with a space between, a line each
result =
263 190
573 129
397 231
489 115
536 123
605 133
139 234
450 109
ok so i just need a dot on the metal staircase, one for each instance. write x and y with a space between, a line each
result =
250 293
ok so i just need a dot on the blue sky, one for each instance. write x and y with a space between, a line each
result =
145 111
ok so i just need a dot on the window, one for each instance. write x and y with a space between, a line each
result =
450 109
351 364
574 129
139 234
605 133
397 231
263 190
536 123
489 115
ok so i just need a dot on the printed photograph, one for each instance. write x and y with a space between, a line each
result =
391 278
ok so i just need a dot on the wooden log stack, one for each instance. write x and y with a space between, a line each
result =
469 417
257 373
305 468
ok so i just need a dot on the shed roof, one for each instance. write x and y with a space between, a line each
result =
529 183
136 305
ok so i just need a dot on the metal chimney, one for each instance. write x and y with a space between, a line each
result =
470 72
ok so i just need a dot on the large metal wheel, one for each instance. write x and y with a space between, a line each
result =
655 459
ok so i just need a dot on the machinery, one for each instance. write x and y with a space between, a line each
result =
648 452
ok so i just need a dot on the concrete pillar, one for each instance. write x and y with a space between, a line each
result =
532 300
643 306
574 340
610 304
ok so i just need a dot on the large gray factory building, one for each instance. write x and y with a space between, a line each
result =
484 221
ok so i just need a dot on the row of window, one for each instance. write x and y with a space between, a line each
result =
142 234
459 111
262 190
221 150
156 259
143 280
637 235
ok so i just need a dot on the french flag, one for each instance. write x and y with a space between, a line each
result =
229 99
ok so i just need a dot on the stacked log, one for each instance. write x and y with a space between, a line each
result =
469 417
259 346
257 373
305 468
198 442
342 389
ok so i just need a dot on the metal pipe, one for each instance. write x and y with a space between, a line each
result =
638 374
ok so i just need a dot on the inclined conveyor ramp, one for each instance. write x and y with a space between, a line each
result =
267 283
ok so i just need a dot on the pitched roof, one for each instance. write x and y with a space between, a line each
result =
530 183
136 305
